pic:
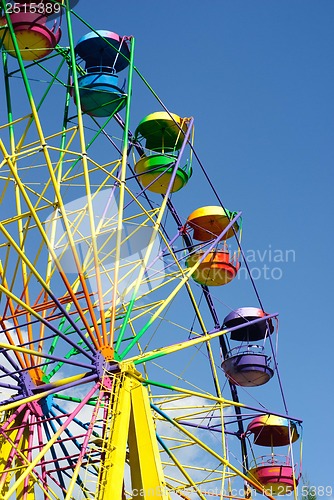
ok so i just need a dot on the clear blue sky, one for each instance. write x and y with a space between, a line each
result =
258 77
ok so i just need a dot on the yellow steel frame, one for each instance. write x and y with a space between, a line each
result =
130 424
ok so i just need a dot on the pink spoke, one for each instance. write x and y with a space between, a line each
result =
15 445
40 443
29 456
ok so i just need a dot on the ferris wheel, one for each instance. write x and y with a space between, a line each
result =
123 373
